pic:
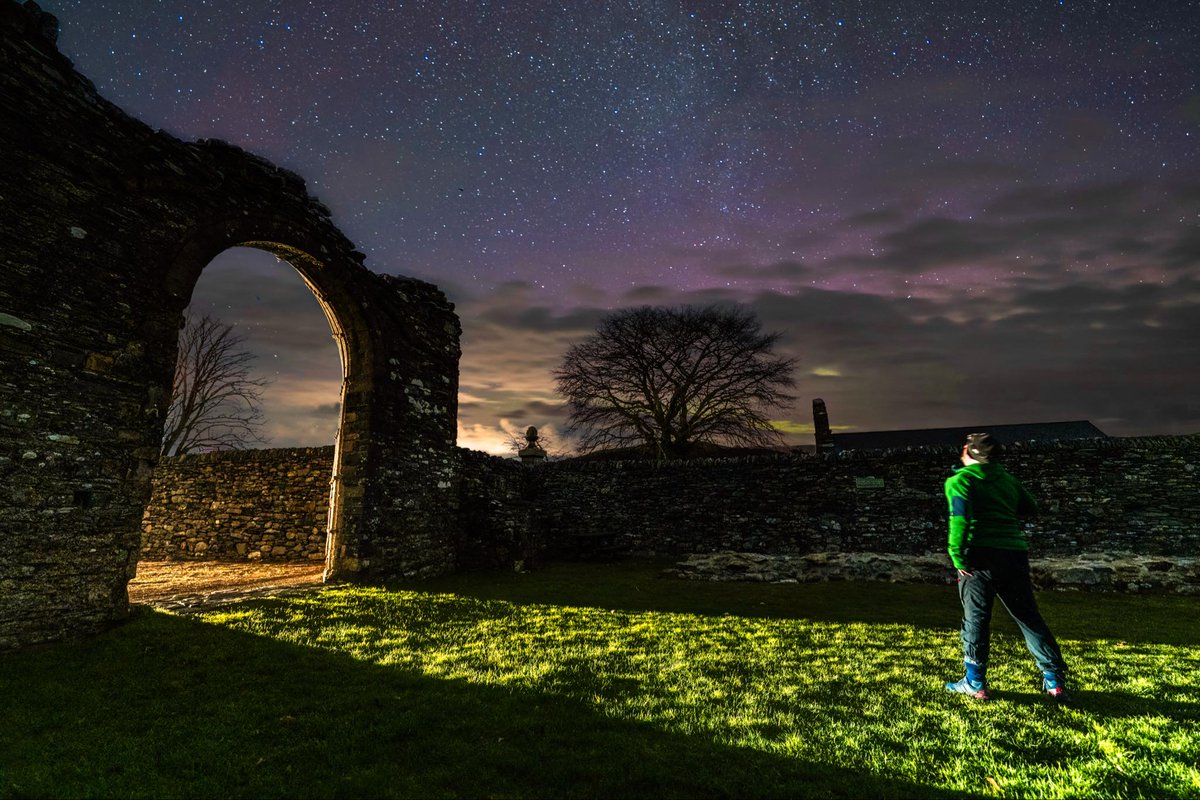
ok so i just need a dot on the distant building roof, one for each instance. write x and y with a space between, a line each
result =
954 437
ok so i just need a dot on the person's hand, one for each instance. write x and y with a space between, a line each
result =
962 573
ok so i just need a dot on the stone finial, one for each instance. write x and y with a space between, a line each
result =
532 452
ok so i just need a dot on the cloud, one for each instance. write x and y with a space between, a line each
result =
790 427
648 296
891 215
298 411
505 436
488 438
535 410
1046 345
1078 351
1119 228
1117 232
1184 252
937 242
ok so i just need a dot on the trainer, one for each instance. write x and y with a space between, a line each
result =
990 550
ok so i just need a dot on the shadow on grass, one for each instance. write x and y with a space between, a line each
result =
167 706
1108 705
641 586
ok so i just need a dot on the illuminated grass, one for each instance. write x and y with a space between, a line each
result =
595 681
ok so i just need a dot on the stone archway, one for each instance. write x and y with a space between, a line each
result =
344 312
107 226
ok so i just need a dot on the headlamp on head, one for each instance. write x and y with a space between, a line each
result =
981 447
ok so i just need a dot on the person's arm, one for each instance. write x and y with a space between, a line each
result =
1027 507
959 498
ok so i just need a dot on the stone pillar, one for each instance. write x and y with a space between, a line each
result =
822 434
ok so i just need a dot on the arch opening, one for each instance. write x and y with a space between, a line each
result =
267 513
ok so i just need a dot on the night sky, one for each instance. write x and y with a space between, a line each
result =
957 213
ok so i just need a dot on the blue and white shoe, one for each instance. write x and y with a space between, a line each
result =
1055 687
974 689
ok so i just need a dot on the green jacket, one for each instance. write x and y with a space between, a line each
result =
986 504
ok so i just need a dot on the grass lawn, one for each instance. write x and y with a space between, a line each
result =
603 681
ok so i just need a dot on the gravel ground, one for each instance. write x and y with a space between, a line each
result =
188 584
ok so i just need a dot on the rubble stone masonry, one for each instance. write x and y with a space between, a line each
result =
240 505
1137 495
105 227
1099 499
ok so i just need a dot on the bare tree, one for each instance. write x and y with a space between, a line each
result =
215 402
670 378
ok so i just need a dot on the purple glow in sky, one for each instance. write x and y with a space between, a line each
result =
957 213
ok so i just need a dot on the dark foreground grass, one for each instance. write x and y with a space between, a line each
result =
603 681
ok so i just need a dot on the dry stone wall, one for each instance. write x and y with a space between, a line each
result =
242 505
1109 495
272 504
1117 572
1133 499
1121 514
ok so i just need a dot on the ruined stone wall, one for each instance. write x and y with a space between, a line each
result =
240 505
1135 496
76 402
273 504
497 508
105 227
409 513
1104 572
1114 495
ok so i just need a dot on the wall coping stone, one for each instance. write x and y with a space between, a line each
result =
1160 442
258 454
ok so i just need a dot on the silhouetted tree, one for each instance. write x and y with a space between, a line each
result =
215 402
670 378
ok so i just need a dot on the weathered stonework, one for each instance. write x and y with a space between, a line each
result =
1108 495
510 516
105 226
1136 496
1103 572
240 505
497 513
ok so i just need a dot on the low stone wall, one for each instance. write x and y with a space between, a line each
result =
1136 496
240 505
1106 495
1112 572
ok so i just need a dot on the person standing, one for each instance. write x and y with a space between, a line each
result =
990 551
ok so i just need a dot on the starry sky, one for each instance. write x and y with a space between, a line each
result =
956 213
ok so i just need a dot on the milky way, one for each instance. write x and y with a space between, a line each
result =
956 213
